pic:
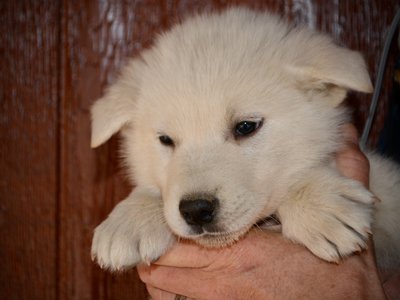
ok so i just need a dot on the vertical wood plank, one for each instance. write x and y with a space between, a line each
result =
97 39
28 150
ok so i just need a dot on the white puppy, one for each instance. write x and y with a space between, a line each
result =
230 118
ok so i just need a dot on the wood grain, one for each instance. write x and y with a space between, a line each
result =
28 152
57 58
95 41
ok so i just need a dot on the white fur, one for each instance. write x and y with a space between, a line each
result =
194 85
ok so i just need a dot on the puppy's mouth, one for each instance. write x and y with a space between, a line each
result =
219 239
223 239
213 236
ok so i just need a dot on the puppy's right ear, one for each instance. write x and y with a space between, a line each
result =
116 108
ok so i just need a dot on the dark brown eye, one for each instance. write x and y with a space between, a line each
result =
166 140
246 128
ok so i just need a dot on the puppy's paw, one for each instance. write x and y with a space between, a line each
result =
331 218
128 237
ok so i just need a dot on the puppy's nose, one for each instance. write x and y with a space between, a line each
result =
198 211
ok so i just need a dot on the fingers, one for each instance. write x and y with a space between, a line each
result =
157 294
167 281
350 161
213 266
187 254
350 133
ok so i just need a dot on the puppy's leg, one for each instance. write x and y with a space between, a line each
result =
329 214
135 231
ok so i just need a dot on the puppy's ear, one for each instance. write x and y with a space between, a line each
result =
329 71
116 108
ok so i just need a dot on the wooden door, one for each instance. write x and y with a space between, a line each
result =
57 56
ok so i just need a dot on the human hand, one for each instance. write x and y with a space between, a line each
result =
350 161
263 265
260 266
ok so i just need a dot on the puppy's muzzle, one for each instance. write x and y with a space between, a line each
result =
199 211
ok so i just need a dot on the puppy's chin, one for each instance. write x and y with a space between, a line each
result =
218 240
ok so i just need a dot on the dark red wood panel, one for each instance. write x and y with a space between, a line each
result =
96 41
28 152
56 59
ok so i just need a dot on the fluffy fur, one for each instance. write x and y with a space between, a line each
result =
195 84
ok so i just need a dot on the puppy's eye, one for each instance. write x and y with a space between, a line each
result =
246 128
166 140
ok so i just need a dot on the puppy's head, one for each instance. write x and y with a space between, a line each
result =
225 113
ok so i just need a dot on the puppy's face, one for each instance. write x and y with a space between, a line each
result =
222 131
223 159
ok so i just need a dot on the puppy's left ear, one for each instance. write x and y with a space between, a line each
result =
116 108
329 71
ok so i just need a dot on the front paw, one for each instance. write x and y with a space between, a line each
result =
332 220
128 237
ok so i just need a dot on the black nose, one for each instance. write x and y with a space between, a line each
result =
198 211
